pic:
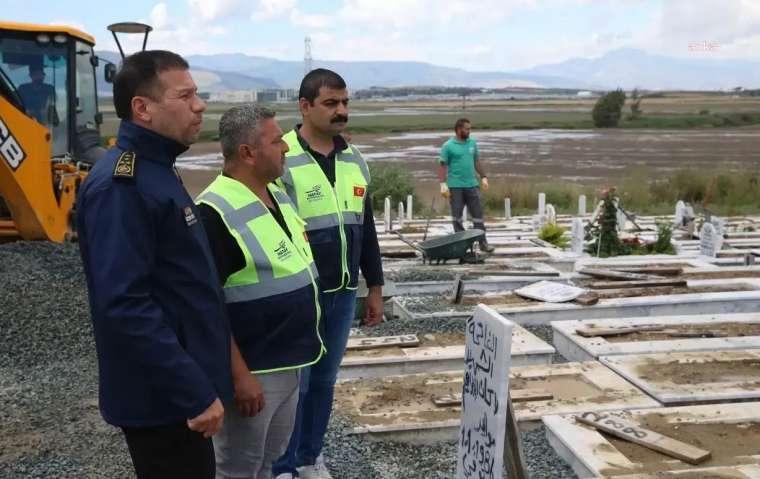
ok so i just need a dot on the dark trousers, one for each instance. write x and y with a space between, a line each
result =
470 197
170 451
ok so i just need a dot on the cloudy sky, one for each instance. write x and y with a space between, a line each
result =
485 35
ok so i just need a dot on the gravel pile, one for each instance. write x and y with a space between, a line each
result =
51 426
48 380
407 275
385 460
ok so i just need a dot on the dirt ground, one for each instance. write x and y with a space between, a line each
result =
398 400
701 372
726 442
729 329
568 155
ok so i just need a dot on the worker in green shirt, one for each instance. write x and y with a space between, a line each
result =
459 161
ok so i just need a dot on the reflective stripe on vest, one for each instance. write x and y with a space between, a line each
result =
322 205
267 285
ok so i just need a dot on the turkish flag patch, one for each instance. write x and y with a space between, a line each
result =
359 191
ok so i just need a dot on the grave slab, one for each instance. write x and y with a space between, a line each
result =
731 432
728 472
439 352
693 377
401 408
742 332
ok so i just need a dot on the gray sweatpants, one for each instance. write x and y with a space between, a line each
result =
470 197
247 446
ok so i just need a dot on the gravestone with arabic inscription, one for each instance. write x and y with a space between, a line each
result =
484 395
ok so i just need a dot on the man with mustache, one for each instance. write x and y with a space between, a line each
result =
327 179
161 330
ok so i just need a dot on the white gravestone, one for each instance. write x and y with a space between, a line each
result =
582 205
542 203
409 204
620 217
597 211
551 214
709 241
400 214
679 215
719 224
485 391
507 208
539 221
550 292
387 214
621 220
577 234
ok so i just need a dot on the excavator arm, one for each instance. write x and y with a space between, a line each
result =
38 194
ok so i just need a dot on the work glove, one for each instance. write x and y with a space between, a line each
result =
484 183
445 190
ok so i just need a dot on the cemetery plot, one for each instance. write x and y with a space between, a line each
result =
689 378
728 472
391 407
589 339
730 432
537 313
434 353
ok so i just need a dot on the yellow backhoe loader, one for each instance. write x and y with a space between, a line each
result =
49 125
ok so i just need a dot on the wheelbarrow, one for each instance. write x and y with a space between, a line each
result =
457 246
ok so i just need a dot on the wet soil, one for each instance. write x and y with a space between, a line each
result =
729 444
729 329
745 370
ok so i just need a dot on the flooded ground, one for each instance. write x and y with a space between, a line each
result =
582 156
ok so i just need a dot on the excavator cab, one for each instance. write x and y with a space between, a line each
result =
49 127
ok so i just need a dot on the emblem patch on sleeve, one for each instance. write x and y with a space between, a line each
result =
190 218
125 165
359 191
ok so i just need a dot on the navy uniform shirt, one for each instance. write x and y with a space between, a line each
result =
161 332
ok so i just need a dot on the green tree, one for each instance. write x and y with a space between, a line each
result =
635 104
608 108
389 180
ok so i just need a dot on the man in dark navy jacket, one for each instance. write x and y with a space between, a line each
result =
162 336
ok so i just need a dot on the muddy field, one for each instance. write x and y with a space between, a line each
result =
584 156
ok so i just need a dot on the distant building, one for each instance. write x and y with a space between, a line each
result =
584 94
265 95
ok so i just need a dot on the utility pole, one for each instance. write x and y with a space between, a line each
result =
307 60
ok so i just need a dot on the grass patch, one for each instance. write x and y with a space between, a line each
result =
728 193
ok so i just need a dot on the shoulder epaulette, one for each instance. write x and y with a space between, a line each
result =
125 165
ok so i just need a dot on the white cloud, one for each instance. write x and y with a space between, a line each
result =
159 16
732 26
210 10
268 9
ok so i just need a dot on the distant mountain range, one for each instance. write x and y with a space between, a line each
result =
626 68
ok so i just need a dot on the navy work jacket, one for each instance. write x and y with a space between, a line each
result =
161 331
